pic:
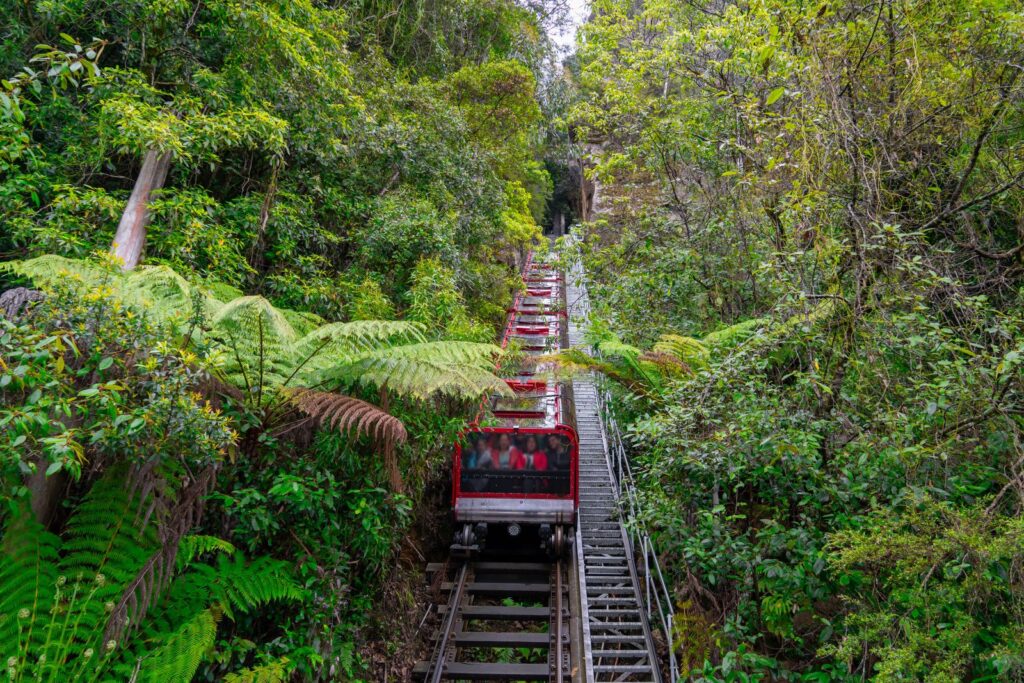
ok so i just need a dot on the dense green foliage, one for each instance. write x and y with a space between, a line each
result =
350 187
301 170
804 254
837 494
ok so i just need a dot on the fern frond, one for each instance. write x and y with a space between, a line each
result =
260 340
176 515
194 545
734 335
179 655
336 343
28 579
103 550
450 368
349 414
685 349
576 360
422 379
49 270
235 584
614 347
276 671
163 295
303 322
156 292
451 352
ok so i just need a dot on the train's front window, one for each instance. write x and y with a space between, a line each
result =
516 463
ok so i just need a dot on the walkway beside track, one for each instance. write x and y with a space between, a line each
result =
618 644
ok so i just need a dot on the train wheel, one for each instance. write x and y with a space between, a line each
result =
558 545
463 544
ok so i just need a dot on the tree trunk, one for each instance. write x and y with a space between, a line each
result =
390 456
45 492
131 231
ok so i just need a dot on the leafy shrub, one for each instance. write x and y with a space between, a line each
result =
87 383
403 229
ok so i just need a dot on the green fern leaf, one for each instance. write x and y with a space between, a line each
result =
179 655
734 335
49 270
234 584
28 580
276 671
194 545
337 343
685 349
459 369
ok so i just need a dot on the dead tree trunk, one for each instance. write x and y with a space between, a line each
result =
131 231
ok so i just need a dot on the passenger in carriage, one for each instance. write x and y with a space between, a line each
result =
506 456
474 460
536 459
558 455
480 456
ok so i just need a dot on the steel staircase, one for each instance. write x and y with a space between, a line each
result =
615 620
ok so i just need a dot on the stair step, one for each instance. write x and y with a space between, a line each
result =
622 640
621 654
622 669
615 626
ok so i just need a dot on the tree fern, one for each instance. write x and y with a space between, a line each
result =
269 351
266 348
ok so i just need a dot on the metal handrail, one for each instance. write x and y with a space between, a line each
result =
656 596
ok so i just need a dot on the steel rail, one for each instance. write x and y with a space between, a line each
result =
559 621
436 670
478 578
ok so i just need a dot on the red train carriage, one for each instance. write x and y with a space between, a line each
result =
515 472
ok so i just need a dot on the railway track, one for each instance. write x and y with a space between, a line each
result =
501 621
591 616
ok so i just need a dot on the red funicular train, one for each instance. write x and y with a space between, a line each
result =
515 473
